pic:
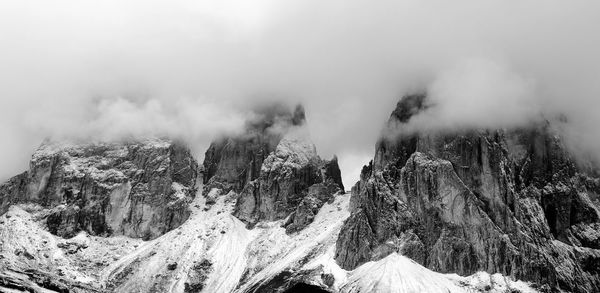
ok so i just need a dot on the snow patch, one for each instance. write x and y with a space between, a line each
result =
291 152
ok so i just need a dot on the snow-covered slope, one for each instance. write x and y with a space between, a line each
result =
214 252
397 274
34 260
235 259
240 260
211 243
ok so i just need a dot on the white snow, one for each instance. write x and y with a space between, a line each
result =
496 283
214 235
178 190
241 258
397 274
293 152
274 251
25 244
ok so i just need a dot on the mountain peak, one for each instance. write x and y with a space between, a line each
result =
408 106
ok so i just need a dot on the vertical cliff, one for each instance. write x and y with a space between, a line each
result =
509 201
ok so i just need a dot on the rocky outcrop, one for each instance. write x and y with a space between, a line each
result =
137 189
274 169
502 201
293 181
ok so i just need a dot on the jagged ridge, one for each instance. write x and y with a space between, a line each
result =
507 201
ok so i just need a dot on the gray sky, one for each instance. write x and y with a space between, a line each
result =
106 69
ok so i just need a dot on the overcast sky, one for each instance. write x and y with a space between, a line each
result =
105 69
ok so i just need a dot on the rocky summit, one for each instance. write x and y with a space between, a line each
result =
274 168
446 210
511 201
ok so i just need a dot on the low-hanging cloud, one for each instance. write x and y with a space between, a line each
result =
478 93
193 68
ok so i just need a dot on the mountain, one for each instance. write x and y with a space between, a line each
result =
137 189
447 211
511 201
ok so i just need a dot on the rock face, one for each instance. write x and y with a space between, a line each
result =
137 189
274 229
274 169
292 181
230 162
12 190
502 201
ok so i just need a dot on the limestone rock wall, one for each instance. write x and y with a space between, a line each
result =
507 201
138 189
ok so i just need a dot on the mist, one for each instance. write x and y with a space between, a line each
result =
193 69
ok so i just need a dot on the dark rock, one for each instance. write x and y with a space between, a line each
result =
197 276
12 191
504 201
172 266
332 172
355 242
328 279
71 247
296 281
305 288
389 147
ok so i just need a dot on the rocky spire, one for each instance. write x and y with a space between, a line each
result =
299 117
230 162
274 168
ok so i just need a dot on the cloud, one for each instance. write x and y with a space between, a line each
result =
193 68
192 120
478 93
